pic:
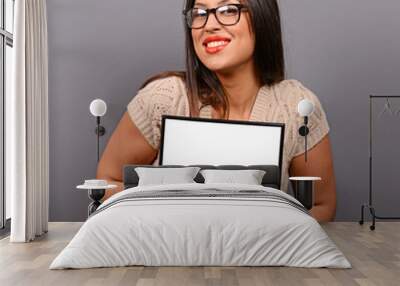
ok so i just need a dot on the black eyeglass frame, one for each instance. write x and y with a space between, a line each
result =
214 11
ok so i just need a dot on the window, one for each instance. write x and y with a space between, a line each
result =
6 60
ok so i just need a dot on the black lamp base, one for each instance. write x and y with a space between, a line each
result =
304 130
100 130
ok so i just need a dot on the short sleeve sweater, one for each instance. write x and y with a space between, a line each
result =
277 103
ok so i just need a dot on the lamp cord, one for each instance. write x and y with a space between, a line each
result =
98 138
305 143
305 137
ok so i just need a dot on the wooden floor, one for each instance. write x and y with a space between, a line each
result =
375 257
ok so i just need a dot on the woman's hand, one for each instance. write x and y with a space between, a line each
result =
126 145
319 163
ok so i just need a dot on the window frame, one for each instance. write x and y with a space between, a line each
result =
6 39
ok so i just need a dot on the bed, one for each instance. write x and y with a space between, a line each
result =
201 224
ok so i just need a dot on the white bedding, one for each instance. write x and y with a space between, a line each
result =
203 231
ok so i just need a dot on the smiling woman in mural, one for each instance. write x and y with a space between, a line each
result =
234 70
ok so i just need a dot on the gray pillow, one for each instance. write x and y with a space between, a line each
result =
249 177
161 176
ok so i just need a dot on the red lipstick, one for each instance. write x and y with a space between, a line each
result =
218 43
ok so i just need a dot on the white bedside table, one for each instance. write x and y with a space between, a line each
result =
304 190
95 193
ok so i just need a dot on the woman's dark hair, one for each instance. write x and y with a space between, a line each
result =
204 86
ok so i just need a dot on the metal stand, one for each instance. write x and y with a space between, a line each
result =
95 195
370 205
304 192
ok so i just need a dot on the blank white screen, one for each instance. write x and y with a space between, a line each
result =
189 142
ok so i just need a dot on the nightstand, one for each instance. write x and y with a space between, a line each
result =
95 193
303 190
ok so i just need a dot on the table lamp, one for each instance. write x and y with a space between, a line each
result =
98 108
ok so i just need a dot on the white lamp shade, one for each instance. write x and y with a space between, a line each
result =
98 107
305 107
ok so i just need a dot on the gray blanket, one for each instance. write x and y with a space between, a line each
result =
202 194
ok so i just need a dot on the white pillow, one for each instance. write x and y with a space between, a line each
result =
161 176
249 177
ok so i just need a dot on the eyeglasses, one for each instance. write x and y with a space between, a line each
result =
227 15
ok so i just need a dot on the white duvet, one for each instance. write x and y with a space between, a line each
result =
203 231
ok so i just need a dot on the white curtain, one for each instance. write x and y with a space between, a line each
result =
27 140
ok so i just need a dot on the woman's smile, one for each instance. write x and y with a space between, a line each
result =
215 44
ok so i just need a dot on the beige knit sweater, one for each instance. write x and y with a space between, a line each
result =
273 104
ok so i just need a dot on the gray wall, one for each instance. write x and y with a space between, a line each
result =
342 50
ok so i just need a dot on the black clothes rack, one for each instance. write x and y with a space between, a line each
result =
370 205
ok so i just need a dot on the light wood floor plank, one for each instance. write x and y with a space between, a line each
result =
374 255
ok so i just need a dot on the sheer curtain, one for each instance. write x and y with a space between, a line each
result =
27 143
